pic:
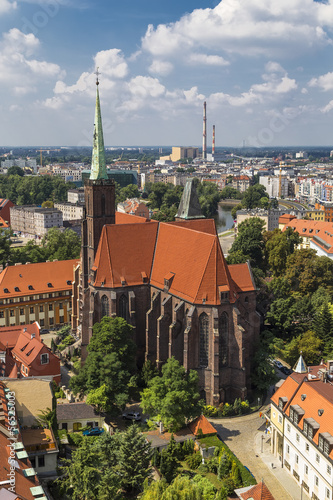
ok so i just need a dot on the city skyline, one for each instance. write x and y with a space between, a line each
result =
263 70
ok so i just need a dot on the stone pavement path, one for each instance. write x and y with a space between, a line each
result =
246 438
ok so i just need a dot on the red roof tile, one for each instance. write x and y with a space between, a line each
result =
258 492
202 225
122 218
38 276
201 423
242 277
10 334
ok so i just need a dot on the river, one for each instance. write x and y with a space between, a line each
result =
223 218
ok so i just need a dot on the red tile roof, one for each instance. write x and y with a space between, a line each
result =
122 218
38 276
257 492
202 225
10 334
129 259
154 250
201 423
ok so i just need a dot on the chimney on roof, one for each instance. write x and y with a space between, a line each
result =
24 329
33 335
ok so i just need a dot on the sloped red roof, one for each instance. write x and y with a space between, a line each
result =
10 334
123 218
13 372
258 492
202 225
27 348
190 260
197 262
201 423
38 276
242 277
128 259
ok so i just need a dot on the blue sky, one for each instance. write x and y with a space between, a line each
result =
264 68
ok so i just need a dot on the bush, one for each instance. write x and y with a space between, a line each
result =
75 438
237 406
245 407
210 411
188 447
227 410
228 485
194 460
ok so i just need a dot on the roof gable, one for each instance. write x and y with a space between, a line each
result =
127 261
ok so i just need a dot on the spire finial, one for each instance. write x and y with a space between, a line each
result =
97 73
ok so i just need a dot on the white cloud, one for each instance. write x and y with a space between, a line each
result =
145 86
324 82
328 107
235 26
17 65
6 6
162 68
111 63
208 60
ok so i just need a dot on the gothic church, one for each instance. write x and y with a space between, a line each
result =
170 281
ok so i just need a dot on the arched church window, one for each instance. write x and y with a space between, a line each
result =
223 339
204 339
103 204
123 306
88 204
105 306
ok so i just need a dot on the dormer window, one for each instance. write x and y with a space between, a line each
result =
325 443
16 289
6 290
282 402
30 287
310 426
49 285
69 282
296 413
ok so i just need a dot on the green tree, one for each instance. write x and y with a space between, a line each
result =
250 241
323 327
174 395
130 191
311 347
230 193
253 195
110 362
306 272
148 372
224 466
134 458
5 242
182 488
263 373
61 245
15 170
99 398
279 245
169 461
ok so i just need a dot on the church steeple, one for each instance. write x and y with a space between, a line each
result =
98 167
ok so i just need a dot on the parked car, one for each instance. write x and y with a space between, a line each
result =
95 431
44 330
278 364
132 416
285 370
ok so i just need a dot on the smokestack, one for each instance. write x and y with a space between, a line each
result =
204 138
213 145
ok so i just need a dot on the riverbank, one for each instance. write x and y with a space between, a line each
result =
229 202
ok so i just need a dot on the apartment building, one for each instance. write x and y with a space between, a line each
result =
36 292
33 220
70 211
301 428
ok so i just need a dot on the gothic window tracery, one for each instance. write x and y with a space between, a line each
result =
223 339
204 339
105 306
123 306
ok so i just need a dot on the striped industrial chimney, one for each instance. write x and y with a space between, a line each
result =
204 138
213 145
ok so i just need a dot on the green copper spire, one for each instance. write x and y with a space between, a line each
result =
98 168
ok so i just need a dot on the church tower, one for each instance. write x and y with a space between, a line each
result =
99 194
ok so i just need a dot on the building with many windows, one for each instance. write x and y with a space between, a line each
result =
36 292
302 430
33 220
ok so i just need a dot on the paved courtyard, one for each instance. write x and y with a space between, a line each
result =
246 437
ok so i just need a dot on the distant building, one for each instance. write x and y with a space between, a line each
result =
314 234
270 217
272 186
241 182
133 206
75 195
73 416
301 155
36 221
179 153
36 292
70 211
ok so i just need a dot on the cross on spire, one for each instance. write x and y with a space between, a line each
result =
97 73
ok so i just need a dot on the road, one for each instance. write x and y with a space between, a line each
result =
246 438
